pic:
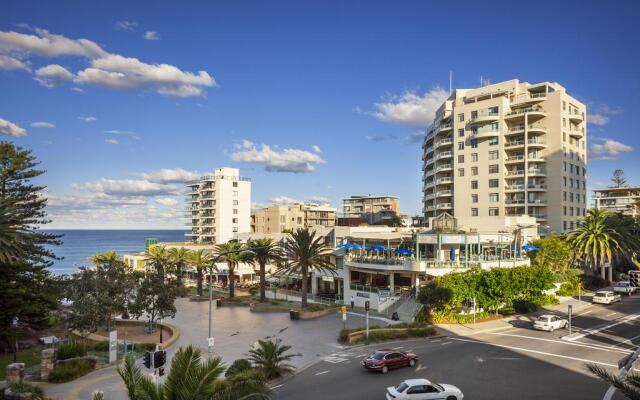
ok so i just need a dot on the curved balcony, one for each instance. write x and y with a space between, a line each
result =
444 181
444 193
535 142
536 172
444 167
444 206
514 188
576 133
530 98
514 159
514 173
444 154
514 203
576 116
445 128
535 111
444 142
485 118
486 133
514 144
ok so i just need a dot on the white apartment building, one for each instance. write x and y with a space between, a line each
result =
219 206
624 199
507 149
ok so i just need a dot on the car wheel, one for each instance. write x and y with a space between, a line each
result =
551 329
412 363
384 369
566 324
452 398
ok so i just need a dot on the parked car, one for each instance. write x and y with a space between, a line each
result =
423 389
384 360
549 323
624 287
606 297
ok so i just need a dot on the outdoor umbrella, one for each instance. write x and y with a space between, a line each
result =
403 252
379 247
350 246
452 254
530 247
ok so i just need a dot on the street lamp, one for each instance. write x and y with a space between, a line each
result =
14 324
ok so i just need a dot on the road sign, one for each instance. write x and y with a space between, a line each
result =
210 342
343 309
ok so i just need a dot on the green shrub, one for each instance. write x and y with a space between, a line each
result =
546 300
253 290
68 371
275 302
378 333
315 307
445 317
36 391
101 346
71 350
142 347
239 365
524 307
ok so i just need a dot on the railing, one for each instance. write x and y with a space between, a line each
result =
428 149
525 110
444 167
536 186
364 288
444 126
444 141
514 187
514 173
515 158
536 172
484 114
444 154
536 141
443 206
514 201
441 181
444 193
514 143
537 201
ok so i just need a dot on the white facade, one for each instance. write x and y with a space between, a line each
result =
219 206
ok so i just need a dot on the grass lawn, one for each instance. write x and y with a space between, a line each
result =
29 356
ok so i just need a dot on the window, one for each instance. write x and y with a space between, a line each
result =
235 202
460 132
564 181
564 210
577 170
474 212
235 193
494 212
493 169
493 155
474 170
474 114
474 157
564 108
234 220
564 166
564 124
572 225
474 198
564 196
493 197
460 159
571 211
460 117
235 184
473 143
460 171
571 183
564 225
571 197
493 141
235 211
494 183
474 184
460 145
571 168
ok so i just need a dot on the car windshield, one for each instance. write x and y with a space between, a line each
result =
402 387
601 294
543 319
378 355
440 388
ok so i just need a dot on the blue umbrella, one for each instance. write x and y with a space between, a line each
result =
530 247
403 252
350 246
379 247
452 254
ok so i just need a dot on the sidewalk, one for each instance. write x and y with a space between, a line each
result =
518 319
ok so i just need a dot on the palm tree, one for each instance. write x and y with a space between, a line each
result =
250 384
270 357
595 239
303 251
629 386
232 253
263 252
106 258
189 378
179 257
158 257
200 260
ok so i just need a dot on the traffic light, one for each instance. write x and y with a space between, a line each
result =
160 371
634 278
159 358
147 359
366 305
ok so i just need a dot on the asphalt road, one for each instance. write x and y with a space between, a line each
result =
512 362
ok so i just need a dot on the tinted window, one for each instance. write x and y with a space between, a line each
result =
416 389
378 355
431 389
402 387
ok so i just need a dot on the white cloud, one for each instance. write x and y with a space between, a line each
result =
609 150
129 187
132 135
167 175
167 201
126 25
316 148
111 141
597 119
42 124
283 200
287 160
410 108
10 63
77 89
151 35
11 129
53 75
48 45
87 119
118 72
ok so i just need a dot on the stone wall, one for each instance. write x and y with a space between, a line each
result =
48 362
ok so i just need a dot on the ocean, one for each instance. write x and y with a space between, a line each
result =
78 245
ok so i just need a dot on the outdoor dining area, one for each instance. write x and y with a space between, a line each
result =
377 253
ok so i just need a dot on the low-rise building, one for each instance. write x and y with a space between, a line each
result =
625 200
373 209
281 218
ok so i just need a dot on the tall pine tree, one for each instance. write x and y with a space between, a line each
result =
27 290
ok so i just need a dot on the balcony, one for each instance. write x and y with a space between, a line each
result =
445 128
535 142
514 188
485 117
576 133
429 161
489 132
444 193
529 98
444 181
429 196
514 202
517 172
536 172
444 167
429 184
532 111
444 154
515 159
428 150
444 142
514 143
537 202
537 186
576 116
444 206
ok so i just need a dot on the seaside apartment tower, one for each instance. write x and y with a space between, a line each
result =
507 149
219 206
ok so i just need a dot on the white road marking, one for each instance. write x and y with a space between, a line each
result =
334 360
580 344
612 314
420 367
479 359
535 351
322 373
446 343
589 332
275 387
624 341
361 355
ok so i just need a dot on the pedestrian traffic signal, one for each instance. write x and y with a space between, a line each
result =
147 359
160 371
634 278
366 305
159 358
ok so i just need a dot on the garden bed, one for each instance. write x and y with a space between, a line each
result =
391 332
273 306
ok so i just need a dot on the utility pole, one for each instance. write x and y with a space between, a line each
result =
366 309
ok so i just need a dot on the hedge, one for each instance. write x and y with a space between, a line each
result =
71 350
384 333
68 371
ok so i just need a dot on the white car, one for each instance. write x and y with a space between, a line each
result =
549 323
606 297
624 287
423 389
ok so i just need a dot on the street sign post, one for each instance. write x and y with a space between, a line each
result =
343 310
570 312
210 342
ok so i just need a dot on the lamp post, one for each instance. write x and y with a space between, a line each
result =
14 324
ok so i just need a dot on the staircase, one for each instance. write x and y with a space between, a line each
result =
406 307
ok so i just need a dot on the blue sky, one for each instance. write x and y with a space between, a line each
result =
339 91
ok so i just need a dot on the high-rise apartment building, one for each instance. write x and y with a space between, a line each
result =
278 218
372 209
507 149
219 206
624 199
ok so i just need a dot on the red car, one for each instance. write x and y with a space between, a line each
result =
384 360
